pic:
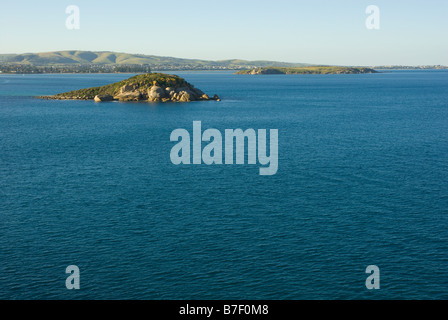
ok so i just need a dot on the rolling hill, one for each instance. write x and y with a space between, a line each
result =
116 58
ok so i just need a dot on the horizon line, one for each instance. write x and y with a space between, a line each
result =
228 59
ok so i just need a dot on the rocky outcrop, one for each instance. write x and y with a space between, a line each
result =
128 95
103 98
156 87
156 94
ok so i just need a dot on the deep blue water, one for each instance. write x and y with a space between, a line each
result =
362 180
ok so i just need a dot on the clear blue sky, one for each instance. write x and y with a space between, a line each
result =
412 32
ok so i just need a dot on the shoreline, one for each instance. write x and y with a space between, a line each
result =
194 70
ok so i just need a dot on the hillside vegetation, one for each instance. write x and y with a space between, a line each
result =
110 58
142 81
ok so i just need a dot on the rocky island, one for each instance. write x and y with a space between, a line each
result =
150 87
307 70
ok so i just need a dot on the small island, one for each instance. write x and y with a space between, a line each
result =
150 87
307 70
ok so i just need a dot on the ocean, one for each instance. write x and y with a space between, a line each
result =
362 180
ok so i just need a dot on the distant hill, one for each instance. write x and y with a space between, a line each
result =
58 58
307 70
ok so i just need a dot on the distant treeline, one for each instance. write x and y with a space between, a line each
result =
98 68
122 68
17 68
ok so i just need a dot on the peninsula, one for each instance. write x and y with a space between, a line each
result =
306 70
150 87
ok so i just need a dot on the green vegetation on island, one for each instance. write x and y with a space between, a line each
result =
151 87
307 70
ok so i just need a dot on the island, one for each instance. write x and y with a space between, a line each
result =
307 70
150 87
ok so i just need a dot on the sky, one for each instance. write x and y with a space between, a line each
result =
411 32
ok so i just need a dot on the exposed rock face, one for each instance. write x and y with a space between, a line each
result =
129 96
103 97
155 87
156 94
128 92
